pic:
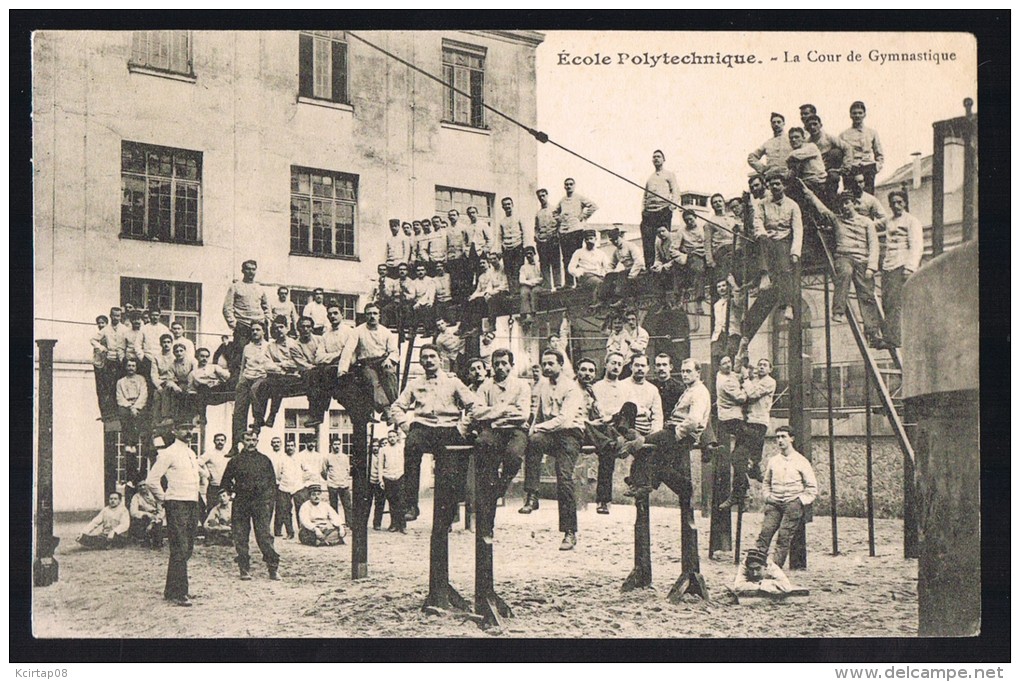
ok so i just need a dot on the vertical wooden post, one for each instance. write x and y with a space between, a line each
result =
489 605
911 542
829 416
938 189
720 531
868 464
641 576
361 493
690 580
45 570
441 594
800 422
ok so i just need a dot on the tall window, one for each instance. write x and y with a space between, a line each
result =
177 301
161 193
348 302
848 385
464 69
460 199
295 431
341 429
163 50
322 212
322 69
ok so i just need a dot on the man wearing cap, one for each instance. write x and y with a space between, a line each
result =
547 241
245 305
775 149
570 215
178 463
758 572
588 265
660 199
320 525
251 479
398 248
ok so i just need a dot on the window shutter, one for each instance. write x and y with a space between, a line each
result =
339 72
305 65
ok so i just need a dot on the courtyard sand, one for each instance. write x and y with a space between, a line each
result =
117 593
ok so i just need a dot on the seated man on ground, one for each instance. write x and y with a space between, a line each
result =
321 526
109 528
147 517
217 524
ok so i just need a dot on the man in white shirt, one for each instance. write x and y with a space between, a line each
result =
668 460
203 380
500 417
338 478
570 214
177 331
511 237
530 281
645 395
285 307
215 462
289 480
486 300
787 487
557 430
178 463
322 381
747 452
662 194
320 523
109 528
244 306
316 310
374 352
588 265
775 149
727 312
151 334
729 403
904 246
866 156
391 478
625 265
422 302
611 414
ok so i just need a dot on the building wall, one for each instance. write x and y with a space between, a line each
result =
243 113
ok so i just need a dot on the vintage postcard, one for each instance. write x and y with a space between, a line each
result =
463 333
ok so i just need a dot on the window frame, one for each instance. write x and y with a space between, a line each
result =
129 176
311 197
443 206
146 64
168 313
452 74
344 432
299 434
299 296
338 72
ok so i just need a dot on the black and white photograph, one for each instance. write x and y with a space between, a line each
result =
517 334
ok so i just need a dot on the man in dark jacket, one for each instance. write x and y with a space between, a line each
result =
251 477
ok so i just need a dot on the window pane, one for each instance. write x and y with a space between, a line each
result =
344 225
180 56
300 212
159 209
345 188
186 212
448 93
322 186
132 158
132 205
322 76
159 163
477 111
322 227
186 166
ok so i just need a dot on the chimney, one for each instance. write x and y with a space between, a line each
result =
917 170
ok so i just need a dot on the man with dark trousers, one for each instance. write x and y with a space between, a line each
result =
662 195
431 411
245 306
179 464
250 476
557 429
500 416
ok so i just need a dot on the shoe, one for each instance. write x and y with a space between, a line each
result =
569 541
788 313
274 574
376 527
290 536
245 575
530 504
754 472
411 514
838 318
393 529
183 601
638 490
603 508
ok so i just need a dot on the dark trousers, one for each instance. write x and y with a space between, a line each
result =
614 287
341 497
499 454
243 515
330 538
392 490
242 335
271 390
726 347
212 498
723 268
512 261
593 282
422 439
549 260
243 399
565 446
782 517
106 388
283 517
529 299
669 462
892 303
376 504
749 447
650 223
381 381
848 269
728 435
776 257
102 542
181 524
483 308
569 243
692 276
130 425
423 318
321 383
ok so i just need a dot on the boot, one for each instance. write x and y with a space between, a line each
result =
732 501
245 573
530 504
569 541
603 508
274 573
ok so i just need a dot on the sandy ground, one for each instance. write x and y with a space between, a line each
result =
118 593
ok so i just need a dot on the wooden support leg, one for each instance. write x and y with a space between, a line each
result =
359 529
720 526
441 595
489 605
690 580
641 576
736 546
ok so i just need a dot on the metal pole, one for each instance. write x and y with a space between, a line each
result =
799 421
867 453
45 570
938 189
832 439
